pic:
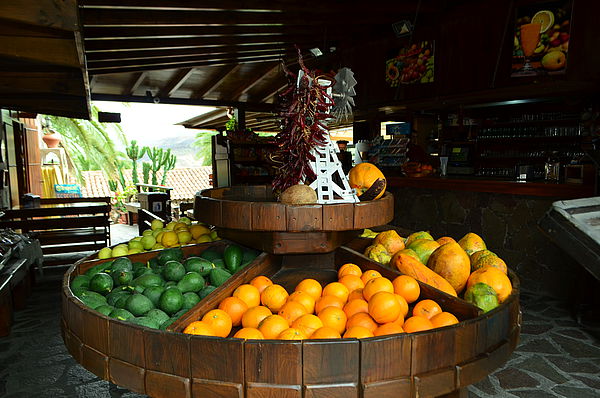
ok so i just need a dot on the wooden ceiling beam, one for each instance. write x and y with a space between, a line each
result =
50 13
158 61
176 82
46 50
248 106
184 52
173 65
135 83
217 80
121 17
258 5
249 84
138 44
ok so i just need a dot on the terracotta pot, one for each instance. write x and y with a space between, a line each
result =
51 140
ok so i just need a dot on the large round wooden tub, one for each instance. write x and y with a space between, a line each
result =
172 364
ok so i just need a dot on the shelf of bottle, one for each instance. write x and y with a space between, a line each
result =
528 140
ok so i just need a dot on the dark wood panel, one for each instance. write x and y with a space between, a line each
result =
164 352
493 186
127 375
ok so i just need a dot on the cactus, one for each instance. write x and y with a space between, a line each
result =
134 153
168 164
112 185
146 171
157 156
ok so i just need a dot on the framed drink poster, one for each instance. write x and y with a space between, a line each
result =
413 64
541 38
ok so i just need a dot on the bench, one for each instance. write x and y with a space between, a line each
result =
64 225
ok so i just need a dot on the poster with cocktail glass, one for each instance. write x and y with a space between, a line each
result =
541 38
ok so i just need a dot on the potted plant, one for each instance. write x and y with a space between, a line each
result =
51 138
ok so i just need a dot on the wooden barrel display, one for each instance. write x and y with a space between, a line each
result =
169 363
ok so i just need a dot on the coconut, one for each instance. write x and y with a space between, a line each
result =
298 195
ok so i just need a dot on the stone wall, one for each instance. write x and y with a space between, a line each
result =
507 223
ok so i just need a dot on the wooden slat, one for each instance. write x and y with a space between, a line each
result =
57 223
35 82
52 201
55 211
135 83
250 83
57 237
177 81
56 14
73 248
215 81
57 51
96 33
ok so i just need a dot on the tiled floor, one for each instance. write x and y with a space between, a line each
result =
555 357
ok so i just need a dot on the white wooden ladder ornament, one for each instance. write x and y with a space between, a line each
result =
325 166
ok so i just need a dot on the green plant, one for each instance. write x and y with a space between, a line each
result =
146 167
134 153
160 159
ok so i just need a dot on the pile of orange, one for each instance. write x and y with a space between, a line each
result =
360 304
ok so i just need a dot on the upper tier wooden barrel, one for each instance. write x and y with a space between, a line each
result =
251 216
172 364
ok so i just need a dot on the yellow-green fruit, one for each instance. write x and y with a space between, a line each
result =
148 242
204 238
156 232
156 224
184 237
472 243
213 235
157 246
185 220
197 230
452 263
378 253
171 225
134 251
136 244
138 238
491 260
119 251
476 256
423 248
105 252
147 232
417 235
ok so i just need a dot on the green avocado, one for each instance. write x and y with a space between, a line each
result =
105 309
121 314
92 299
122 277
210 254
219 263
232 256
98 268
218 276
154 293
190 299
138 304
167 323
101 283
148 280
158 315
206 291
171 254
142 271
115 295
199 265
173 271
145 321
121 264
191 282
80 281
171 300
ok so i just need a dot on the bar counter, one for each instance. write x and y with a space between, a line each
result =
479 184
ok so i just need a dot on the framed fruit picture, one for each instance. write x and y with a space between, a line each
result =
541 38
413 64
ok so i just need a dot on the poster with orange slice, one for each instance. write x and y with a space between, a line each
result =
541 39
413 64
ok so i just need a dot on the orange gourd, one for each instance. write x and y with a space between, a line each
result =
363 176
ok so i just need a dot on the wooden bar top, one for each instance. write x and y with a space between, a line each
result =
477 184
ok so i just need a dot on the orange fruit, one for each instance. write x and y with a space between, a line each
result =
407 287
291 311
349 269
199 328
272 325
358 332
493 277
219 320
362 319
308 323
368 275
249 333
426 308
274 297
443 319
261 282
388 328
355 306
384 307
356 294
417 324
376 285
305 299
311 287
336 289
325 333
291 334
352 282
403 305
328 301
334 318
253 316
235 308
248 294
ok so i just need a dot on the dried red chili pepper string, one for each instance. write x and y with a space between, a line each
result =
305 105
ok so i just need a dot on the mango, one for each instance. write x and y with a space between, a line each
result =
452 263
411 266
487 258
390 240
378 253
472 243
417 235
445 239
423 248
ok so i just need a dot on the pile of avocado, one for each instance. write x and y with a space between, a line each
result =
159 292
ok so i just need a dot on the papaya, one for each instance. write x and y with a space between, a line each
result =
452 263
378 253
390 240
417 235
423 248
472 243
410 266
